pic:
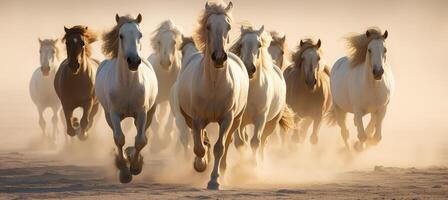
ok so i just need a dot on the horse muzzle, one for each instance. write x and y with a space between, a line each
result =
219 58
311 83
378 74
45 71
133 63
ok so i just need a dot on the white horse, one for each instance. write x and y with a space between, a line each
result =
41 85
278 49
188 49
212 87
266 105
362 83
126 87
166 61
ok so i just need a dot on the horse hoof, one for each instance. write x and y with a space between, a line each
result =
200 164
125 176
358 146
213 185
313 140
136 168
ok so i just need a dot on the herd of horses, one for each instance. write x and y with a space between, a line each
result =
194 81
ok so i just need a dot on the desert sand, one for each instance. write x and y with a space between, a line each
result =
411 161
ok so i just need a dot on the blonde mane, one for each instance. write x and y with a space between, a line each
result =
53 44
278 40
201 36
165 26
265 39
110 45
306 44
88 35
357 45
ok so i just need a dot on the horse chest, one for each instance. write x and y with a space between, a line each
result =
127 100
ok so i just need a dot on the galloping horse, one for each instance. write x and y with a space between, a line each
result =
126 87
266 105
212 87
41 85
308 91
362 83
166 60
75 80
188 49
279 50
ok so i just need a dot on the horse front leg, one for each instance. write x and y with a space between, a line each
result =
379 117
316 127
42 123
85 121
113 119
218 150
68 112
133 153
362 136
200 161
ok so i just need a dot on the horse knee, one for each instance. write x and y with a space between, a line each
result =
199 150
119 140
255 143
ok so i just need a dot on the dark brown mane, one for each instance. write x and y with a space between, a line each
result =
110 39
301 48
201 36
87 35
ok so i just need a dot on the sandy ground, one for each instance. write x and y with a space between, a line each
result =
26 175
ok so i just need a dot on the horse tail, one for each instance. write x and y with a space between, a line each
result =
287 119
330 116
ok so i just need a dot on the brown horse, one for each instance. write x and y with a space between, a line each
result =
75 80
308 89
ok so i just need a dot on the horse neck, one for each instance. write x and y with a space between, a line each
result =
124 75
211 73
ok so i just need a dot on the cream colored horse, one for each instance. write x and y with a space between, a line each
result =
308 86
41 87
362 83
266 104
126 86
166 60
213 87
279 50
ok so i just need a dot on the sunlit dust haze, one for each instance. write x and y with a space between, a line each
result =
414 131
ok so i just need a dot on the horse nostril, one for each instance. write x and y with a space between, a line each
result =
129 60
138 61
213 56
225 56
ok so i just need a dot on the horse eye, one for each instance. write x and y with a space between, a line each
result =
259 45
370 51
121 36
385 50
140 35
318 58
282 52
229 27
208 27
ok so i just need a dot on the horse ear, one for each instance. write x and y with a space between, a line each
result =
117 17
207 5
301 42
318 43
229 7
261 30
86 28
367 33
283 39
139 18
66 29
385 34
55 40
40 41
242 28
